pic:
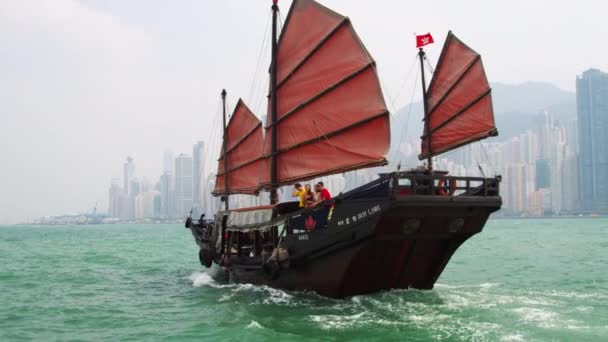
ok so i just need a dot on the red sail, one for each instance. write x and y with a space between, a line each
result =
458 100
244 142
331 113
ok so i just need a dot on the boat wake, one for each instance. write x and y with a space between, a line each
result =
199 279
259 294
475 306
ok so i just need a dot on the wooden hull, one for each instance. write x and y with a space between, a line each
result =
376 244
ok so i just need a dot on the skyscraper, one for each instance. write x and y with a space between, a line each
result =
183 185
167 195
592 107
114 203
168 162
128 170
543 174
198 180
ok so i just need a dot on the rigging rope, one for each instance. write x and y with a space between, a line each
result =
483 149
409 112
210 147
405 79
280 22
428 62
253 90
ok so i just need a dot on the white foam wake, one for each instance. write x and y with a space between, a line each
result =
254 325
199 279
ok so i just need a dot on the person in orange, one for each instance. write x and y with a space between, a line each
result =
300 193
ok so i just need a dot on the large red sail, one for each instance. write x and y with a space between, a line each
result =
458 100
331 115
244 151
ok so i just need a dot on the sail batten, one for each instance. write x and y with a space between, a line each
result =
335 133
312 52
329 99
242 155
241 140
460 112
321 94
460 101
440 101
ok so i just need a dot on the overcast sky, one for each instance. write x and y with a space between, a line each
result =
85 83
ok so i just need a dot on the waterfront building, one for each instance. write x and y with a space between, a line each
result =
167 195
128 173
592 108
183 185
198 177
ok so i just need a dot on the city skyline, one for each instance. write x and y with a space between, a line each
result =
535 147
95 81
540 165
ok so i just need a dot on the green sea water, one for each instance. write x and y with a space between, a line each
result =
519 280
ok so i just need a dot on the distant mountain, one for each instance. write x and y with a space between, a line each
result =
516 107
532 98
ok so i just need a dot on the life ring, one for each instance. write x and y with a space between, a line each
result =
452 185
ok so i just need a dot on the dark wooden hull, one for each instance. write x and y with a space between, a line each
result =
395 242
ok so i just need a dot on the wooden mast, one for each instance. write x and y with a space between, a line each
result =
427 131
273 107
224 148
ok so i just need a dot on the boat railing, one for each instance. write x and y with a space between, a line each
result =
445 185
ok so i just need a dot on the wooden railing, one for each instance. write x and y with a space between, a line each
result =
405 183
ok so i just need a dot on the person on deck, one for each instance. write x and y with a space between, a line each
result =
325 195
300 193
310 198
323 215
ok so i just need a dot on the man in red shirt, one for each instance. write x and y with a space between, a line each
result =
325 195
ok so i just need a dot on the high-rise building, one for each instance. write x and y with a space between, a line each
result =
128 172
543 174
167 195
570 184
517 187
592 107
183 185
168 162
557 155
145 205
198 178
545 136
114 200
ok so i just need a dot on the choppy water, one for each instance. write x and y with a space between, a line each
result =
519 280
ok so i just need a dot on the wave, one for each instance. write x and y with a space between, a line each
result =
199 279
254 325
273 296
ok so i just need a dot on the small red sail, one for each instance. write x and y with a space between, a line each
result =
243 142
458 100
331 115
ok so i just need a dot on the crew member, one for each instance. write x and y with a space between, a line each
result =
300 193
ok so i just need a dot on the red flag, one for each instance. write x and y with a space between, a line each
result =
423 40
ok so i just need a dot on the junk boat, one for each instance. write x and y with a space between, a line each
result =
327 115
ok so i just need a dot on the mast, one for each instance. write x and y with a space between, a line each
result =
273 107
225 197
427 129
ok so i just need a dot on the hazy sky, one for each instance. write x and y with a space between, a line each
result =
83 84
